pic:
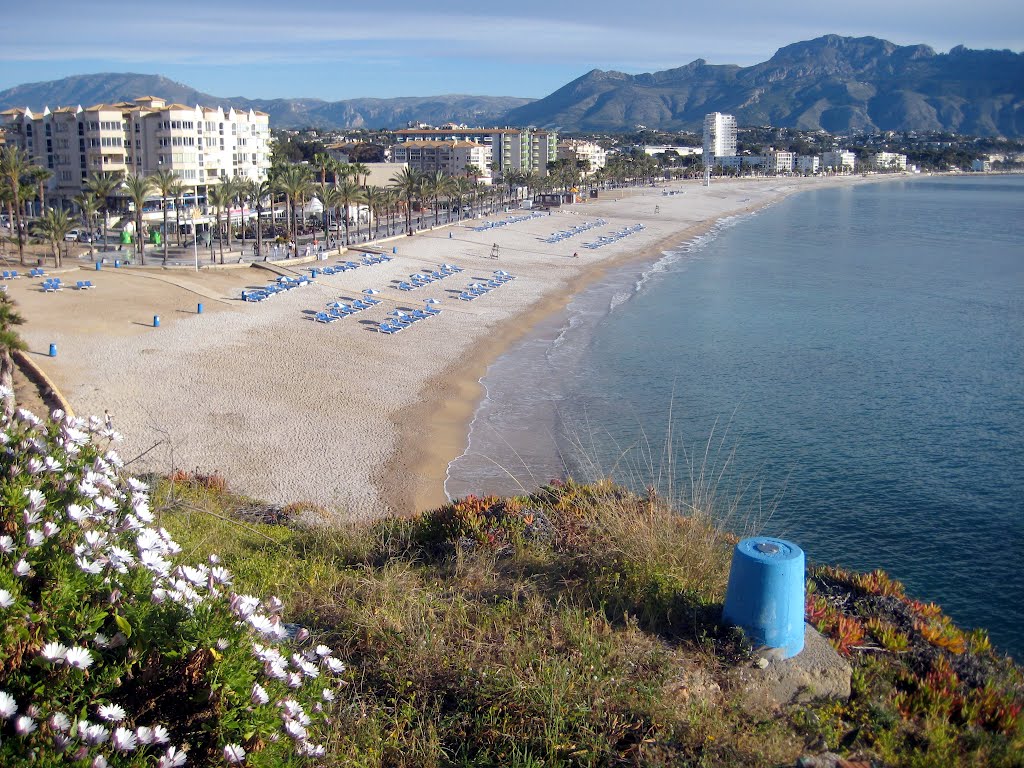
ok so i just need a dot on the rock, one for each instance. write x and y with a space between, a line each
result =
817 672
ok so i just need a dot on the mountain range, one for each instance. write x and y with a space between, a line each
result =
833 83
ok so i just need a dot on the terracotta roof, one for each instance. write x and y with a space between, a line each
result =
439 143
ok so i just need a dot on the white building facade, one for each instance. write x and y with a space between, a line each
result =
808 165
200 145
719 137
522 150
889 161
839 161
578 150
449 157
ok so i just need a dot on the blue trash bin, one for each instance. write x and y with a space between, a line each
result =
199 309
765 596
53 350
156 321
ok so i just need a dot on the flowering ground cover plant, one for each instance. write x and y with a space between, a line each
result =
114 651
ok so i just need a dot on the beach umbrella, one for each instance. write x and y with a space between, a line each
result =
336 305
433 301
370 292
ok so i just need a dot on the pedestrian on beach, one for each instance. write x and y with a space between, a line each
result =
576 255
108 420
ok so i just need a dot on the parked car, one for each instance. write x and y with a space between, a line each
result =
73 235
85 236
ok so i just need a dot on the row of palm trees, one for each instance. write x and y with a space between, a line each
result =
294 185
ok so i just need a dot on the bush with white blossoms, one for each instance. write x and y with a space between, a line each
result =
113 651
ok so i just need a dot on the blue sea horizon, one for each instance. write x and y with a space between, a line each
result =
848 363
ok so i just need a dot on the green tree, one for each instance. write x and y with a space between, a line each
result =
359 172
39 177
220 197
14 164
53 227
258 191
9 342
375 203
407 184
89 205
350 194
164 182
138 189
293 182
103 185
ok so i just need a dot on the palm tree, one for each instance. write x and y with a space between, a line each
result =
103 186
293 183
9 342
239 195
257 192
349 193
407 184
459 190
138 189
88 204
53 227
220 197
164 182
330 197
389 199
39 177
14 163
321 192
323 161
375 202
177 191
359 169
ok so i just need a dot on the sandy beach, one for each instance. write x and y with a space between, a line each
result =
288 409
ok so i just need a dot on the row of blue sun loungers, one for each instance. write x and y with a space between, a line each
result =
52 285
284 283
338 310
368 260
35 272
401 320
12 275
419 279
505 222
579 229
608 239
476 290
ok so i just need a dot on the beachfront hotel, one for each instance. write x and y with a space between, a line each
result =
839 160
525 150
201 145
449 157
719 137
579 150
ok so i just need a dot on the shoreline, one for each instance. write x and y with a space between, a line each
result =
460 391
356 422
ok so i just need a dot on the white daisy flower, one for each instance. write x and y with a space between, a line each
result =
221 575
34 466
88 489
34 537
99 762
327 694
295 730
124 740
114 459
52 464
89 566
315 750
335 665
274 605
106 504
160 735
31 516
93 733
79 658
60 722
24 725
294 680
308 669
77 513
261 623
54 652
6 545
234 754
144 734
323 650
259 695
275 671
173 758
36 499
22 568
50 529
6 599
112 713
8 706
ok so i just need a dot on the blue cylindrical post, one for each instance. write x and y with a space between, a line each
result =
53 350
394 249
765 596
97 266
156 321
199 309
449 235
117 263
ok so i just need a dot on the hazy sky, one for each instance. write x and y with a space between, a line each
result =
337 50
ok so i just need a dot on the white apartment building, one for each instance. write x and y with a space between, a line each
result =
201 145
839 160
450 157
660 149
719 137
889 161
779 162
578 150
524 150
808 164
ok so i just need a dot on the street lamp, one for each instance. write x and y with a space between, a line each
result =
195 236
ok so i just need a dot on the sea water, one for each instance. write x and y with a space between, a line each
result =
844 369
